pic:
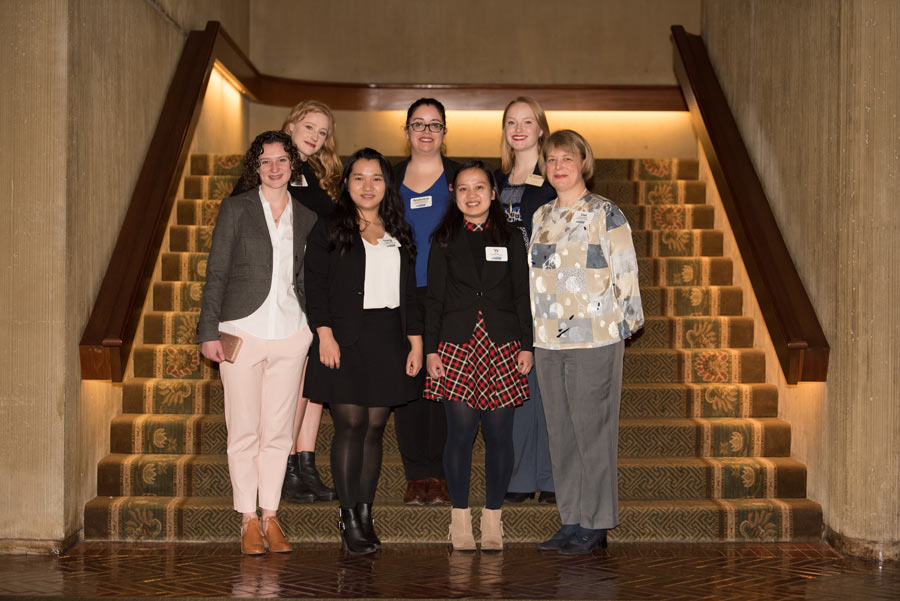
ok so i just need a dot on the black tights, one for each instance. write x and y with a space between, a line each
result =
356 451
462 427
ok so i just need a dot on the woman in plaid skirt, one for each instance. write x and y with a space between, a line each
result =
478 344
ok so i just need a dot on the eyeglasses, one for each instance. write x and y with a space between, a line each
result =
434 127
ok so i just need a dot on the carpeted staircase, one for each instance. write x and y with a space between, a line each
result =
703 456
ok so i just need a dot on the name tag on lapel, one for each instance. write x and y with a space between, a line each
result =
420 202
388 242
581 217
495 253
534 180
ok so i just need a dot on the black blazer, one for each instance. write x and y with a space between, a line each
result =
311 196
450 167
532 199
335 286
456 292
239 267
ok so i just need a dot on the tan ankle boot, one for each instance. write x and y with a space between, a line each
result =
461 529
491 530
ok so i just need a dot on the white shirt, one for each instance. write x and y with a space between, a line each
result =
382 284
280 315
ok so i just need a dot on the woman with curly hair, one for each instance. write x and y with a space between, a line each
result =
316 185
360 280
254 291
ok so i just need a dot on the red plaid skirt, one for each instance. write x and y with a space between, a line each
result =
479 373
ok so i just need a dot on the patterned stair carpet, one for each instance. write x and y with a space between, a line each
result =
703 455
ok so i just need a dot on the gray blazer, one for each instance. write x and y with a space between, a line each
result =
239 268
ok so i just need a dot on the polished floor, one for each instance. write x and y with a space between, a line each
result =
624 571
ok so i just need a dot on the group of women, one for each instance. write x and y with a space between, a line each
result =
379 271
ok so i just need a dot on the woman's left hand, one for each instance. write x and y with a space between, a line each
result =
524 362
414 358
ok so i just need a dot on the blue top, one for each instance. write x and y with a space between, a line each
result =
424 220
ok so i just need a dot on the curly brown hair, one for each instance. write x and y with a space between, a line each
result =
250 162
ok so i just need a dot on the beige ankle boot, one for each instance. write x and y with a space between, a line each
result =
491 530
461 529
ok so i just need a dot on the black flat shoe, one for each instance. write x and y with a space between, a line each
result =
517 497
547 497
584 541
559 540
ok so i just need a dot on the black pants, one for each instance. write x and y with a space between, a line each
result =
499 453
421 429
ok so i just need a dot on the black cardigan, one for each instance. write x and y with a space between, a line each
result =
532 199
335 286
456 292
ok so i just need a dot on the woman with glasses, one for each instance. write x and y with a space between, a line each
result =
423 182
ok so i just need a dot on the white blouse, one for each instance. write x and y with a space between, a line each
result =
280 315
382 283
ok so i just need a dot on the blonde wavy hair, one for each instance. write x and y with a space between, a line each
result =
507 154
325 163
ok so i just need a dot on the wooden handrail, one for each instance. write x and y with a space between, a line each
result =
796 334
110 331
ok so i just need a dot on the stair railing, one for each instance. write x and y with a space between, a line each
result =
110 331
796 334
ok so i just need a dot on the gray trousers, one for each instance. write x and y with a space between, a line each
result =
532 470
582 391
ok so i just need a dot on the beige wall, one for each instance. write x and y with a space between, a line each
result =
469 41
814 88
94 97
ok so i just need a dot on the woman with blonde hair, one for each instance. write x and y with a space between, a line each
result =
316 185
522 191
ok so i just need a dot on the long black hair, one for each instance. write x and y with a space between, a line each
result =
497 229
345 218
250 162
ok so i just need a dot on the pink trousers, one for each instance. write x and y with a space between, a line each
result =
261 391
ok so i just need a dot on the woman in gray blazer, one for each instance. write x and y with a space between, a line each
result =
254 291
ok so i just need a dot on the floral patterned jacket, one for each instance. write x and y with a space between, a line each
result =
584 275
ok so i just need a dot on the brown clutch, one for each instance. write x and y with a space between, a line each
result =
231 345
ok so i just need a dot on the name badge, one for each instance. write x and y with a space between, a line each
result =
534 180
582 217
388 242
495 253
420 202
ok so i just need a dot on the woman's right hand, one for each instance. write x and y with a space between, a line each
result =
329 351
433 365
212 350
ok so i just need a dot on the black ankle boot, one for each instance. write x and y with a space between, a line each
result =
293 489
364 510
311 480
353 540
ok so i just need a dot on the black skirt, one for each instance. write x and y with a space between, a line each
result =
373 369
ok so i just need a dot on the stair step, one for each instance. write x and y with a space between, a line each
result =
671 271
138 433
180 361
213 519
670 192
658 332
639 479
656 243
188 397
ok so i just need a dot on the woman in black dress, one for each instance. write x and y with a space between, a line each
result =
361 291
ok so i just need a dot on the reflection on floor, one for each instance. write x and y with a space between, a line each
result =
624 571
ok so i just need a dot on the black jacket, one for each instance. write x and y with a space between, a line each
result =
533 198
335 286
456 292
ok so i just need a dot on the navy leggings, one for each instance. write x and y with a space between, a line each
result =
462 427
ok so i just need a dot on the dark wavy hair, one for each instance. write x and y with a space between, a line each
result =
498 230
250 162
423 102
345 218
